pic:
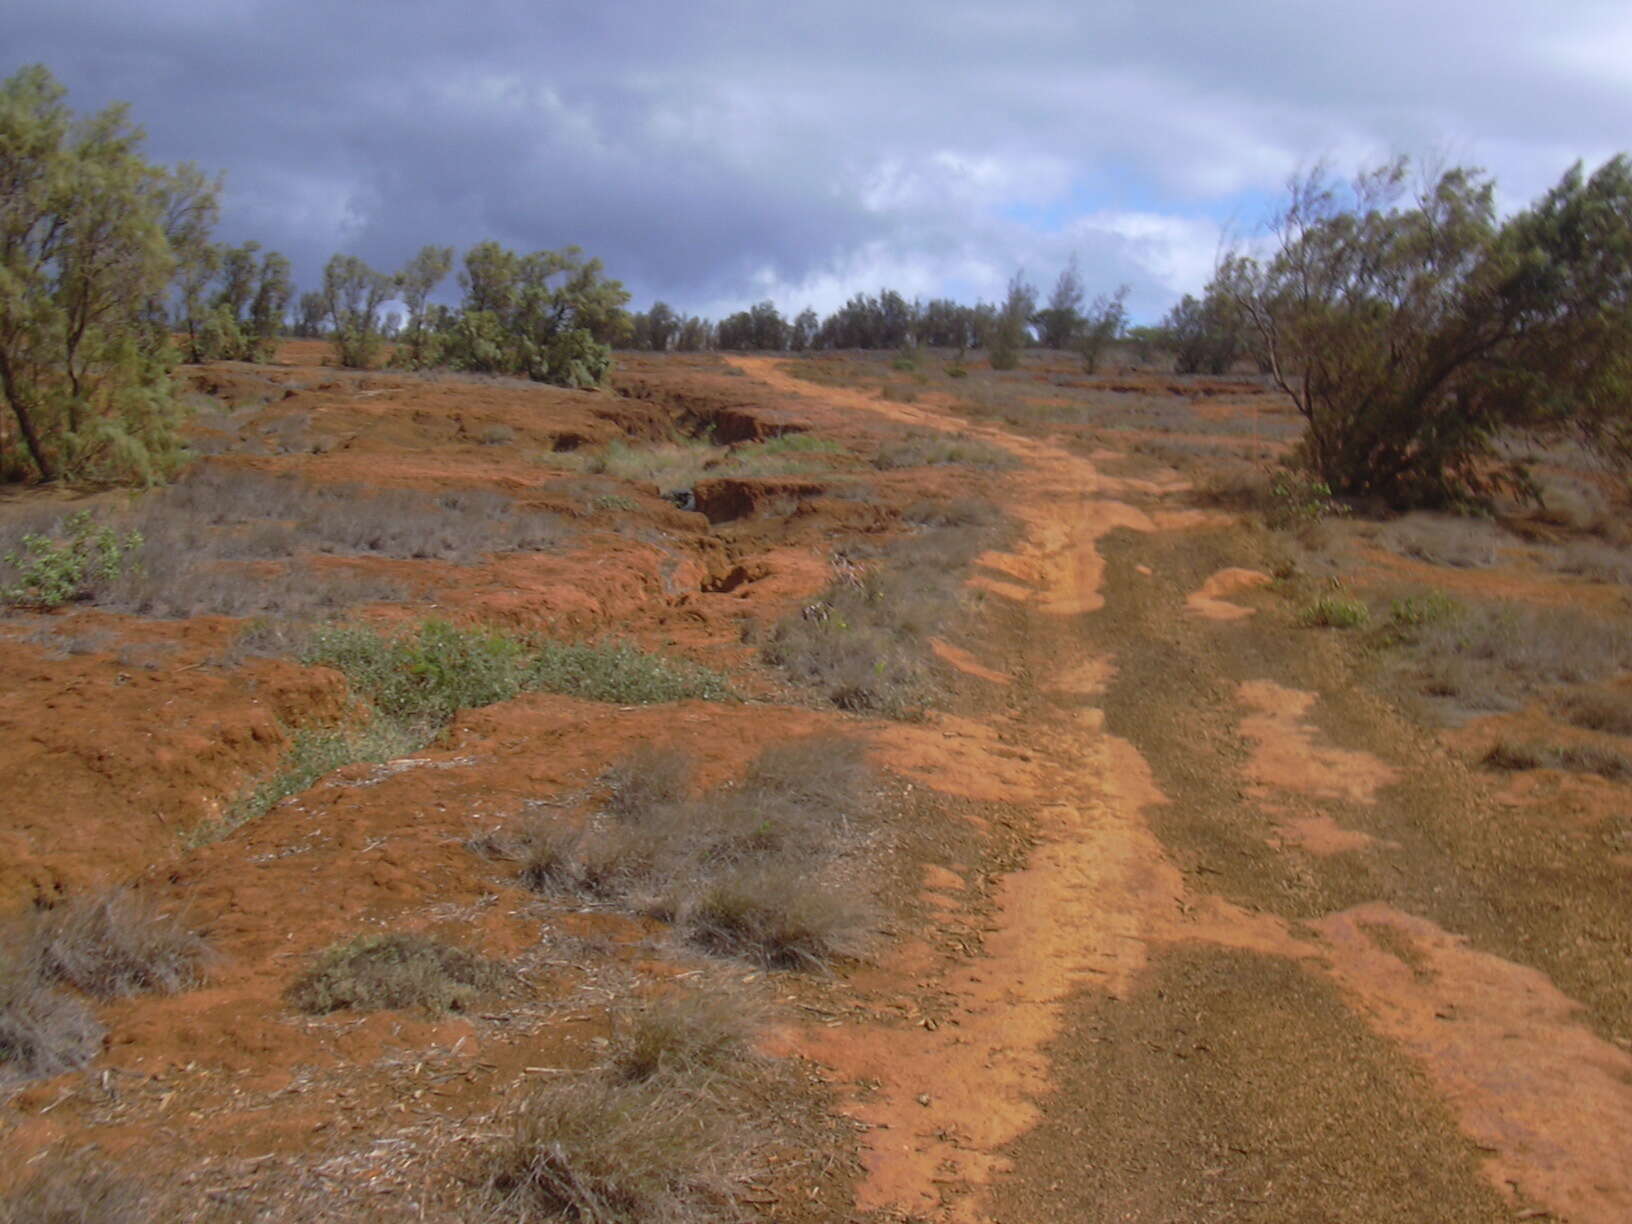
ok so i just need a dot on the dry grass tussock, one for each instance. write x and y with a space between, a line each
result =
926 448
1607 710
772 870
1463 543
106 945
662 1131
600 1150
1572 758
864 644
398 971
78 1189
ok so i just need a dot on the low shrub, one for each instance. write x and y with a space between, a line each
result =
752 870
54 569
1334 612
1598 710
601 1151
425 676
113 944
622 673
1492 656
928 449
1571 758
695 1034
43 1031
78 1189
393 972
1461 543
773 916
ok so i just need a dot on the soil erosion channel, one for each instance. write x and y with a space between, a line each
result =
1135 1042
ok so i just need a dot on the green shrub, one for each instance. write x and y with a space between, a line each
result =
1414 611
54 571
426 676
391 972
622 673
1334 612
1298 500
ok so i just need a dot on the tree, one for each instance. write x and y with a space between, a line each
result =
1412 336
85 256
551 316
353 293
1102 326
1204 336
1063 316
310 313
416 282
1010 333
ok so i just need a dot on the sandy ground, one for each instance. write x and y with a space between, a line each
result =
1208 931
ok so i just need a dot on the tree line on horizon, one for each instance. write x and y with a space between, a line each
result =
1416 331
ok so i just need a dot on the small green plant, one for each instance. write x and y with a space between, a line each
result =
1414 611
957 370
54 571
1334 612
1298 500
622 673
313 752
424 676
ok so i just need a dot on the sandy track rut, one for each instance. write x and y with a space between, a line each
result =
1547 1102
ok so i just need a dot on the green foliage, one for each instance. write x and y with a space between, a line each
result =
56 570
551 316
427 676
1010 333
1414 611
417 280
1104 323
422 678
621 673
313 754
1410 337
89 235
352 296
1061 320
1334 612
1206 336
1297 500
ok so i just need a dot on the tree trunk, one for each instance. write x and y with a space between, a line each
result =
25 423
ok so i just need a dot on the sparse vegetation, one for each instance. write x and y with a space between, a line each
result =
1573 758
113 944
598 1150
1334 612
928 449
1492 656
864 643
694 1034
104 945
1608 710
623 673
78 1189
313 753
749 871
395 972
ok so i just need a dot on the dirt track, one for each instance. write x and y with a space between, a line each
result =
1193 924
1265 961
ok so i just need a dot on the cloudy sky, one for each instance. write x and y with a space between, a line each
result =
717 152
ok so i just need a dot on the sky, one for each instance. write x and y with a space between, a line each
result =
715 153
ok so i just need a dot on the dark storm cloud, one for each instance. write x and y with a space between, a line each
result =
713 153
